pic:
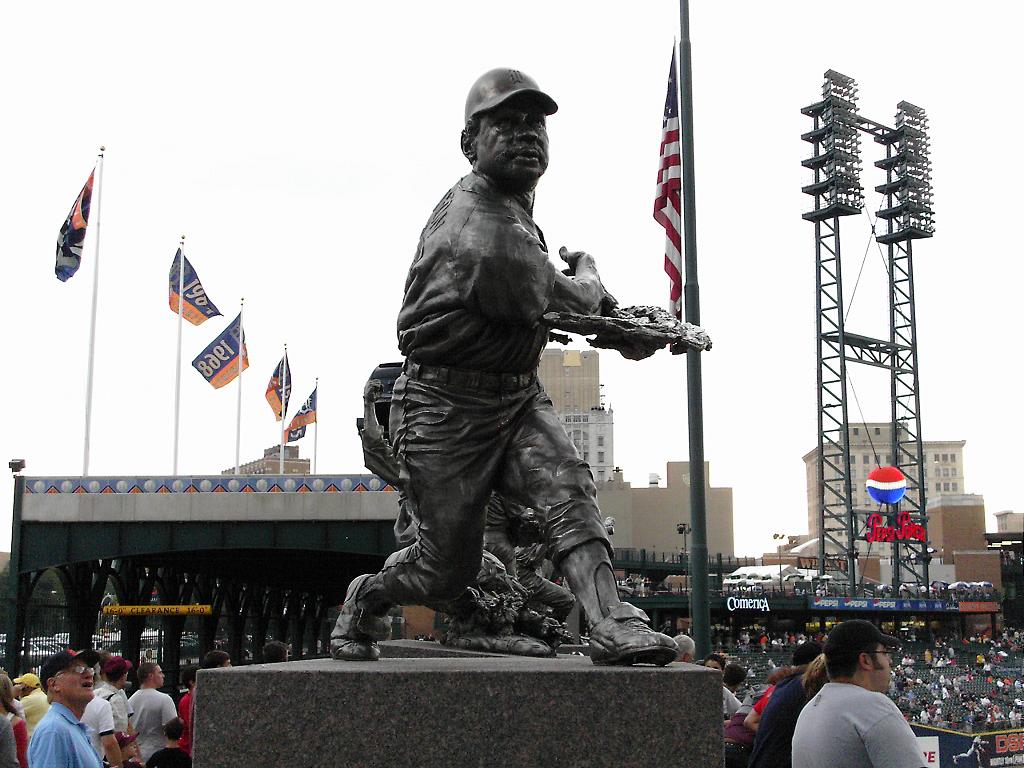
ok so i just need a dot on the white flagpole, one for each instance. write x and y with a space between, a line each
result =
92 321
284 407
238 421
316 422
177 367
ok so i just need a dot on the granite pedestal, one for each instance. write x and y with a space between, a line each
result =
462 710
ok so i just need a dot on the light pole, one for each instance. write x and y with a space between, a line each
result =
779 537
684 530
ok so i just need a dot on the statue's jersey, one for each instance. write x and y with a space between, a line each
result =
479 284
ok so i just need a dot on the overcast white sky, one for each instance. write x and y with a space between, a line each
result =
301 147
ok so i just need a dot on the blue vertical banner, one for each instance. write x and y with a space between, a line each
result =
302 419
279 388
218 363
72 234
196 306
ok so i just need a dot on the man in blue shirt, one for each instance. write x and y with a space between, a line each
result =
773 745
60 740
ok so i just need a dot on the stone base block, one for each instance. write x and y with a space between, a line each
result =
488 711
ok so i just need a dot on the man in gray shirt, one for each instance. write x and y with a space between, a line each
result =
852 723
153 709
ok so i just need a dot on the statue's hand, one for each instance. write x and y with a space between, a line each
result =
608 304
373 390
572 258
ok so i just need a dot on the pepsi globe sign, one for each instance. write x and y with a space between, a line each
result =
886 485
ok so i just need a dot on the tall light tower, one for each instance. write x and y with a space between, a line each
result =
837 192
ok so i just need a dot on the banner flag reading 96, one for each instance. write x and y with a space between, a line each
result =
218 363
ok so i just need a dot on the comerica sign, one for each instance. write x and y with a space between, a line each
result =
747 603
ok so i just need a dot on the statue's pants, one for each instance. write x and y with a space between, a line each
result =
456 443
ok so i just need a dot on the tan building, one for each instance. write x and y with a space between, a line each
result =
572 379
1009 522
957 524
871 447
270 463
646 517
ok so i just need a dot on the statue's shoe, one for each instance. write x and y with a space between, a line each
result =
515 645
623 638
357 630
344 649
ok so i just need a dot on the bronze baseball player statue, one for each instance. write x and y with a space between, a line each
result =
469 416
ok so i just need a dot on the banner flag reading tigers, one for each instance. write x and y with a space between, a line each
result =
275 396
218 363
197 307
72 234
302 419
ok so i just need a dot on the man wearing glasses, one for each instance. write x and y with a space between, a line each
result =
851 722
60 739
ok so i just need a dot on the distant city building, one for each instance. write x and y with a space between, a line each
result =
870 447
572 379
647 517
1009 522
270 463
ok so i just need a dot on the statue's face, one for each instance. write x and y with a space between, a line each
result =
512 146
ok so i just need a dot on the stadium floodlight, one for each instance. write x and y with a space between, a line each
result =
908 187
836 163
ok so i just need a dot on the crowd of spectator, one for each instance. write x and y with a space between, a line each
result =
969 685
75 712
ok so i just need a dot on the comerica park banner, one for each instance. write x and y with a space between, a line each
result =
949 749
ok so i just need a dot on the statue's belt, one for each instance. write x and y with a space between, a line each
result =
478 380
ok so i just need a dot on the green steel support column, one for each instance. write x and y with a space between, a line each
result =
15 608
173 626
700 611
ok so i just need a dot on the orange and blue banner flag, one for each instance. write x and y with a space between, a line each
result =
197 307
279 388
218 363
72 234
302 419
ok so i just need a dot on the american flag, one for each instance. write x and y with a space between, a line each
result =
667 208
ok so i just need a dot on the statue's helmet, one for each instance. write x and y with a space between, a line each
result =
499 85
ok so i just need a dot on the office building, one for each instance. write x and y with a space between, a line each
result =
572 379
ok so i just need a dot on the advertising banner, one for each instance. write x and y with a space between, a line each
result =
879 604
979 606
949 749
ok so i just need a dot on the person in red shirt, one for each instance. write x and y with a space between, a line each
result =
10 712
188 677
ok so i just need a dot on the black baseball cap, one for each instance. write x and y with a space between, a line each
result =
805 653
64 659
855 636
56 663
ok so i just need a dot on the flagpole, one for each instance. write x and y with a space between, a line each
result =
238 419
284 407
177 366
316 423
92 320
700 609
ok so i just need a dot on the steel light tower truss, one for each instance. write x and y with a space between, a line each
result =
837 192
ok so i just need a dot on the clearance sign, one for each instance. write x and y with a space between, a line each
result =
158 610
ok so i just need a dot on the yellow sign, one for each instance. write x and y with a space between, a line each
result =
158 610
